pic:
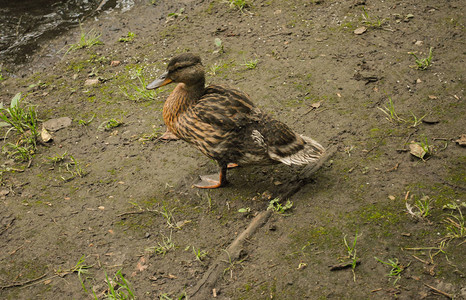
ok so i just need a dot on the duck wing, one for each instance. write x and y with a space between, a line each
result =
283 144
216 123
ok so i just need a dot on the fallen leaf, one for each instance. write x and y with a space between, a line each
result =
141 265
316 105
416 150
45 135
48 281
462 140
302 266
101 207
182 223
391 197
432 97
408 17
91 81
114 63
360 30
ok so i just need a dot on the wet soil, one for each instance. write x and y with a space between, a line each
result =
131 195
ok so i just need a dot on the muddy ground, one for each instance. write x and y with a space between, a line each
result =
127 195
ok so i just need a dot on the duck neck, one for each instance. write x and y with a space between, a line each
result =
182 97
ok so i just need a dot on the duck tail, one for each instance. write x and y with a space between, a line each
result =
311 153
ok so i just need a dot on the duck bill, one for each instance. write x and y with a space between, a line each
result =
161 81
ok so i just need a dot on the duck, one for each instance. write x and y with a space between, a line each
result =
225 125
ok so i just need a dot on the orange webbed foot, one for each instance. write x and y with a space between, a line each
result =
211 181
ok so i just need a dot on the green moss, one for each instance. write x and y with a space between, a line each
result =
457 170
440 193
170 31
17 270
380 214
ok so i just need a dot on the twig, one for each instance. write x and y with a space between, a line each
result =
22 283
406 196
232 254
131 213
7 226
344 266
101 4
439 291
421 260
394 168
137 212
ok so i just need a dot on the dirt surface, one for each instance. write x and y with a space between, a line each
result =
126 194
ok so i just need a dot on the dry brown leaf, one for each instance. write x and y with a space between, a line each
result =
360 30
316 105
45 135
182 223
416 150
91 81
462 140
141 265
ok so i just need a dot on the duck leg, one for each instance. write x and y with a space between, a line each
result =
211 181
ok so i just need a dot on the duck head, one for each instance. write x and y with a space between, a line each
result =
185 68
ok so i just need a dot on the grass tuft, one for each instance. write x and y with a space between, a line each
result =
352 253
390 112
423 63
24 121
276 206
139 92
109 125
396 270
128 38
163 247
239 4
119 287
251 64
86 40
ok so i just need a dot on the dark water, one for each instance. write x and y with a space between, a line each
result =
26 23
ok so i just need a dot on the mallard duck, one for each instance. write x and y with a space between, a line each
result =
225 125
